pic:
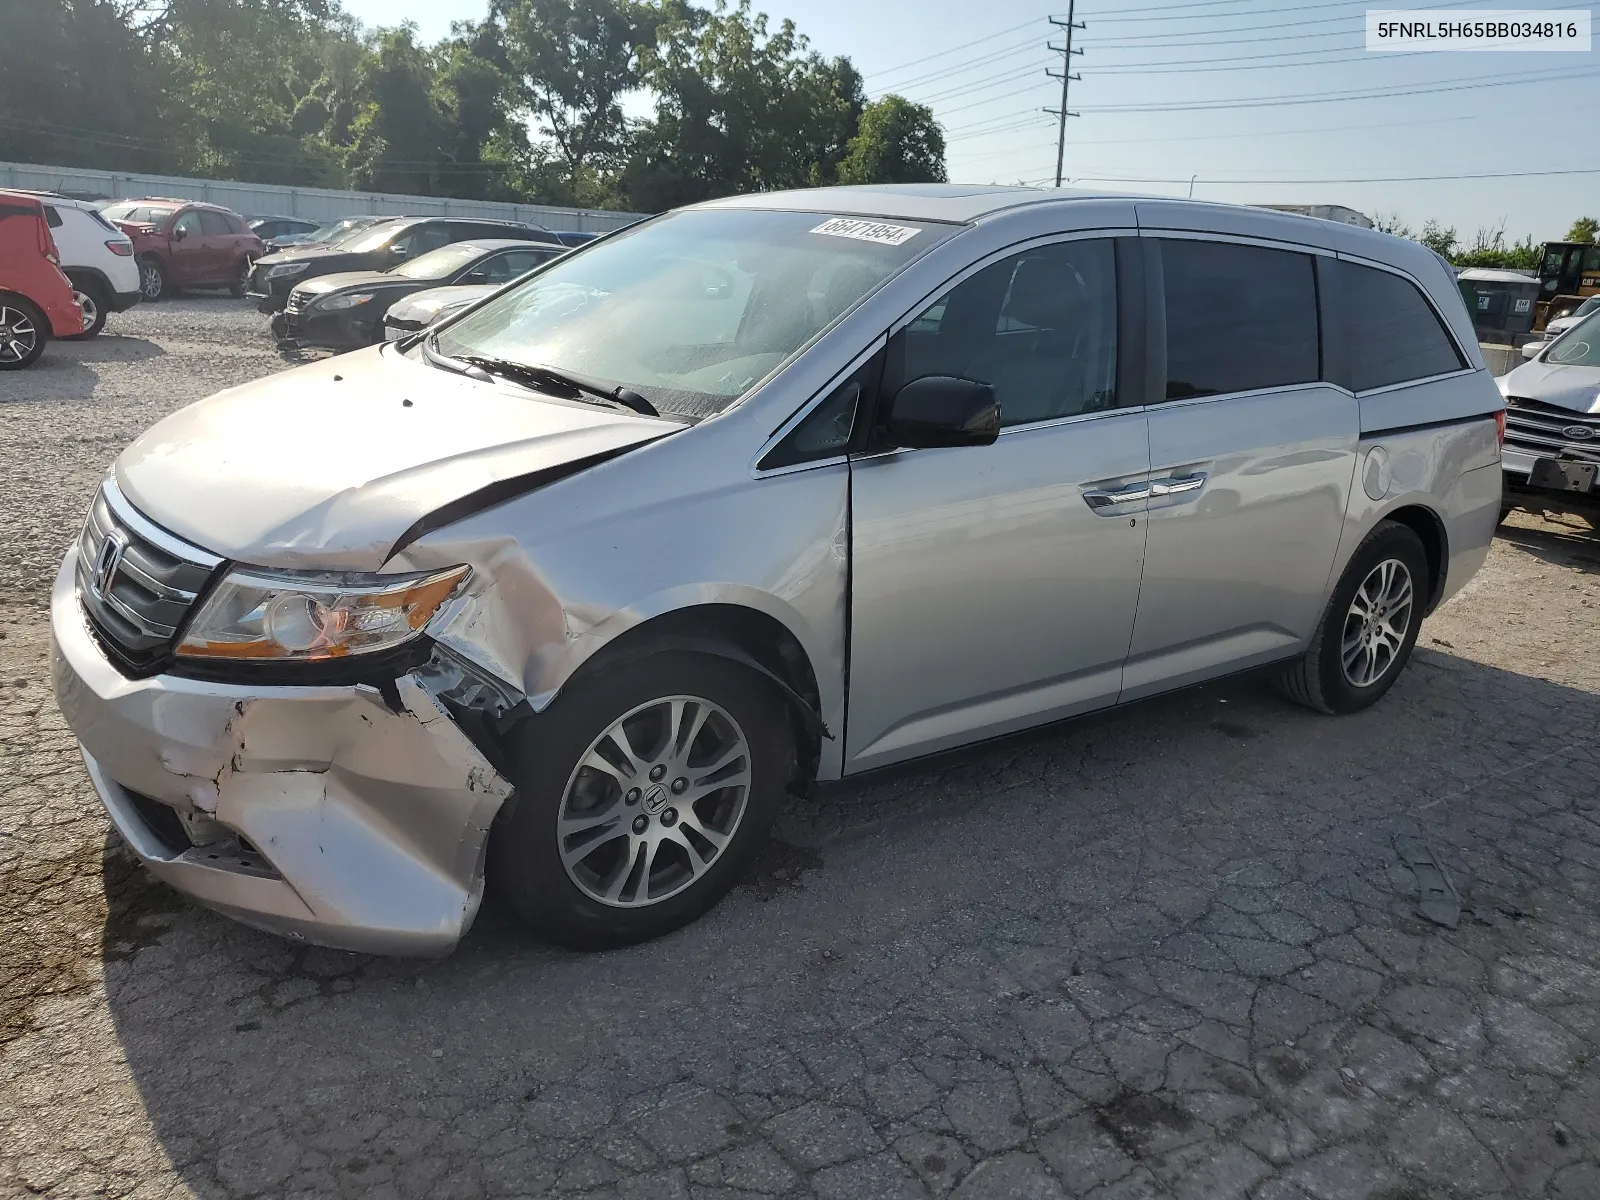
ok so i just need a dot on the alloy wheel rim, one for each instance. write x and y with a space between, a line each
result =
654 801
1376 625
18 334
90 309
151 277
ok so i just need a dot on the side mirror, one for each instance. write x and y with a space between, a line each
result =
1531 350
941 410
397 251
179 233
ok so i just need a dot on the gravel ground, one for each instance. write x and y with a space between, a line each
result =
1169 952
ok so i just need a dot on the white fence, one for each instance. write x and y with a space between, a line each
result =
317 204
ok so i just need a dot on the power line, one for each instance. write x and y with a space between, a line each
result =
1253 134
1242 102
966 45
971 88
966 65
1143 16
1264 182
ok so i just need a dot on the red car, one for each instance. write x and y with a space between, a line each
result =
182 243
36 301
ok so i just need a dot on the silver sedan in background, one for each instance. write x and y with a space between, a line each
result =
565 593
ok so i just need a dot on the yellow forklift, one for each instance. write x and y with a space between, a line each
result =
1569 273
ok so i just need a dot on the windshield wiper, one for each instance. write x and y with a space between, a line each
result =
576 387
459 366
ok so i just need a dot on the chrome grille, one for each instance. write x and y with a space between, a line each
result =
1545 429
297 300
136 581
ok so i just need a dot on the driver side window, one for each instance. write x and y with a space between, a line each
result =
189 223
1039 327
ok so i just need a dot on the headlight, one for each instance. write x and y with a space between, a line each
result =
335 303
283 270
267 615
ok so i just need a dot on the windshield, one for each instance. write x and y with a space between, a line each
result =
693 309
438 264
140 214
366 238
339 231
1578 346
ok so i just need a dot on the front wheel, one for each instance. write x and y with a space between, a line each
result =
152 278
23 333
642 795
241 281
1369 627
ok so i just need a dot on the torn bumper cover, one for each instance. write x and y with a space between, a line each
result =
327 814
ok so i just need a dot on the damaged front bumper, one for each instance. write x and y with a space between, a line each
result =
347 816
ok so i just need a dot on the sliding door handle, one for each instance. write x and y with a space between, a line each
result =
1175 485
1098 498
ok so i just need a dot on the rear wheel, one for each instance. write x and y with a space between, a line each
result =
241 280
91 300
1369 627
152 278
23 333
643 794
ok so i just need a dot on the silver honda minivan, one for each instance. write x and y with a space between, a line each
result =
564 594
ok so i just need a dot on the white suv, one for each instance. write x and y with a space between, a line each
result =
96 256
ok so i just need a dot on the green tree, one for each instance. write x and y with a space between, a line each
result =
1441 239
899 142
80 86
1584 229
572 61
738 108
398 133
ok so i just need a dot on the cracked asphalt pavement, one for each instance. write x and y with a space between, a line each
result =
1172 951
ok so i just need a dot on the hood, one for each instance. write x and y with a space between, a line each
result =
326 466
427 305
1574 388
341 281
313 252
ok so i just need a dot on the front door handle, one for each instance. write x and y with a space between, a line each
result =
1099 498
1174 485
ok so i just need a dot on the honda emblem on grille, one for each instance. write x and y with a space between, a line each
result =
1577 433
107 561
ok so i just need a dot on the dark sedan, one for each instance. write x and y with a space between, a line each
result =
345 311
378 248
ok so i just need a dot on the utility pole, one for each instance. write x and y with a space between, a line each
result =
1066 76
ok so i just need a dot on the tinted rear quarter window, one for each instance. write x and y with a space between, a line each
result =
51 217
1392 333
1238 318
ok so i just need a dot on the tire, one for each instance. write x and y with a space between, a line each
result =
241 281
1319 679
561 896
23 332
91 298
153 281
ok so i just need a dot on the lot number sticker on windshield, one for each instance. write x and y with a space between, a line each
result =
868 231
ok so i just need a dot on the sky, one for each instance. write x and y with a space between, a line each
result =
1259 101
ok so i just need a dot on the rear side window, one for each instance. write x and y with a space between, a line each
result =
1392 333
100 220
51 217
213 223
1238 318
235 224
